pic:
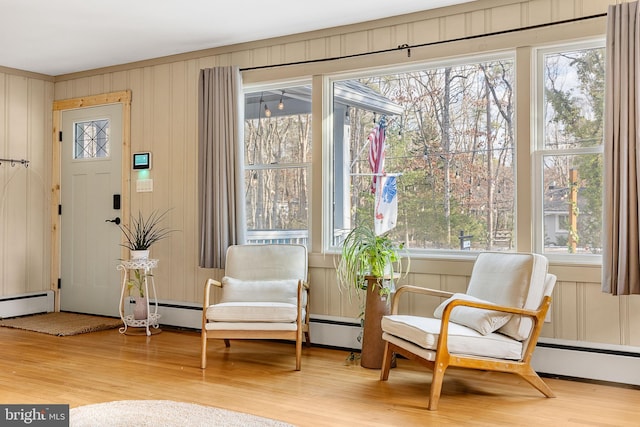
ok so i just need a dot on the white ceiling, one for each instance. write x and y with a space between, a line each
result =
63 36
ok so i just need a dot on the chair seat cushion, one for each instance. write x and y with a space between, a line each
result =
483 321
277 312
424 332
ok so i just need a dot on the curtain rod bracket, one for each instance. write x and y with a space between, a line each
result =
405 46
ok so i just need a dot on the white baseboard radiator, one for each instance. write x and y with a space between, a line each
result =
583 360
24 304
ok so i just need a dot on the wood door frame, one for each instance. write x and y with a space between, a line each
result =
122 97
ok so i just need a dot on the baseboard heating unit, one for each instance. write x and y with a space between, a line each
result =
24 304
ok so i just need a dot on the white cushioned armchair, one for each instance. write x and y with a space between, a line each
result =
263 295
494 326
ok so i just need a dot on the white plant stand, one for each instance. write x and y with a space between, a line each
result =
147 265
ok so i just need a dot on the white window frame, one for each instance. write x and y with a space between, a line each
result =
539 151
307 166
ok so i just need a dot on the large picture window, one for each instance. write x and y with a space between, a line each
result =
569 148
449 137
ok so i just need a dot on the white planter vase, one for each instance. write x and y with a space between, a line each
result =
140 309
139 254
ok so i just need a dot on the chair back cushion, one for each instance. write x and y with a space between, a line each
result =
236 290
483 321
267 262
510 279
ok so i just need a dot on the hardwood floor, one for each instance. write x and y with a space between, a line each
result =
258 377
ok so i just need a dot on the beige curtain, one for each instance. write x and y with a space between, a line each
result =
621 256
220 159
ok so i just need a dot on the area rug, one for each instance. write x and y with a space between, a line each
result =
62 323
165 413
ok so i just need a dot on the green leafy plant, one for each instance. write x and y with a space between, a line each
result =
137 282
366 254
144 232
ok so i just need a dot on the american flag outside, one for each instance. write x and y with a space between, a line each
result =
384 187
376 151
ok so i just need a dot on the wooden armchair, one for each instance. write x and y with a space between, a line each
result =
493 327
264 295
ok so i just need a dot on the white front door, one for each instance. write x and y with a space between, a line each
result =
91 186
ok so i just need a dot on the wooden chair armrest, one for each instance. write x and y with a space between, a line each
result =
416 290
207 291
302 286
487 306
537 315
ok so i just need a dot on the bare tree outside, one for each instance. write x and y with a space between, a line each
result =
454 146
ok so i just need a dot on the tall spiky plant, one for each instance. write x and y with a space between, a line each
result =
144 232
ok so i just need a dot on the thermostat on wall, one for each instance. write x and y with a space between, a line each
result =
142 160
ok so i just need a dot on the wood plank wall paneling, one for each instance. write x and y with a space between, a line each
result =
164 121
25 131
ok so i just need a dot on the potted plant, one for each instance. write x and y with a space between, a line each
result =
136 288
364 254
144 232
370 262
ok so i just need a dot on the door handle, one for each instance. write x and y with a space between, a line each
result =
116 220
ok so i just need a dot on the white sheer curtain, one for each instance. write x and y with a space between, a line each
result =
621 256
220 160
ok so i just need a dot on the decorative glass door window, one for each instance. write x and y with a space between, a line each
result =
91 139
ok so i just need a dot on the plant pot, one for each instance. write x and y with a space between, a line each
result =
372 342
140 309
141 254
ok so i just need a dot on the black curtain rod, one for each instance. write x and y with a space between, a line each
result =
409 47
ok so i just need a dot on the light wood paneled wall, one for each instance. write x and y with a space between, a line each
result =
25 133
164 121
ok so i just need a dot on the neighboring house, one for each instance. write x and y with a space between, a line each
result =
556 216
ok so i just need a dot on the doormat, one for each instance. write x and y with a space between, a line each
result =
62 323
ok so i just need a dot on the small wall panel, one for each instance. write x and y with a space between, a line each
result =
538 12
601 314
633 323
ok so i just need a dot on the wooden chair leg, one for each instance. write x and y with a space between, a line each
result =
386 362
436 386
308 339
298 351
298 356
534 379
227 343
203 360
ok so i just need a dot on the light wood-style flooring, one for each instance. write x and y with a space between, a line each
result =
258 377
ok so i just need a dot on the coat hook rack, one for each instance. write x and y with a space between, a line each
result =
14 162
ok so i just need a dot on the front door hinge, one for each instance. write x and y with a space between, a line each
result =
59 209
59 283
60 136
